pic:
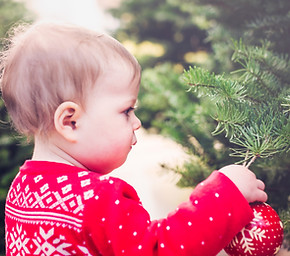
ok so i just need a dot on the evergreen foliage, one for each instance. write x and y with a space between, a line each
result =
249 110
176 25
255 21
252 102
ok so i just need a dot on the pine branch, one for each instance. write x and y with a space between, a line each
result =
286 105
257 129
228 120
216 86
262 68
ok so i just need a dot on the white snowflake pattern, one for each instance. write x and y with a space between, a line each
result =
255 232
18 240
44 246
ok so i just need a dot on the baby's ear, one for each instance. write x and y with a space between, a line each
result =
66 118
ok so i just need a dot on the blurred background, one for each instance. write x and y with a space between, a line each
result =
176 148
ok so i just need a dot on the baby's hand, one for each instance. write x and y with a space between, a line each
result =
246 181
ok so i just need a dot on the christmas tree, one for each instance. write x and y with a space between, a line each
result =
253 110
252 102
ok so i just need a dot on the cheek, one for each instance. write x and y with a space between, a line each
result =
114 131
121 140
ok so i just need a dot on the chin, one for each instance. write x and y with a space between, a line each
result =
107 169
105 165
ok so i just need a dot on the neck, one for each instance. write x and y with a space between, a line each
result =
47 150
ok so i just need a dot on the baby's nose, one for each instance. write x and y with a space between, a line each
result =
137 123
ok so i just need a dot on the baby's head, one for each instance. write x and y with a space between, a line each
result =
47 64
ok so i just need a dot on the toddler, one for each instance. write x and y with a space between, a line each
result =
74 92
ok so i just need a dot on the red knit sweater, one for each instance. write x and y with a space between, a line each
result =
57 209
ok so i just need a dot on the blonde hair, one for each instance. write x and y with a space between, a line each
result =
46 64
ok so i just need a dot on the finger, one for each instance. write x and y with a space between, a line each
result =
260 184
261 196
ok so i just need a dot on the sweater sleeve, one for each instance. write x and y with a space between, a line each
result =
117 224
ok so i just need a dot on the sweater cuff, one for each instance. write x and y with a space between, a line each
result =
218 183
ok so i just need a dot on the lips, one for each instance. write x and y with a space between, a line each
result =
134 140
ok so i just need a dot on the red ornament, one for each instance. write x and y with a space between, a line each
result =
263 236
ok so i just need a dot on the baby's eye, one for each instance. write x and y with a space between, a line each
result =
127 111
